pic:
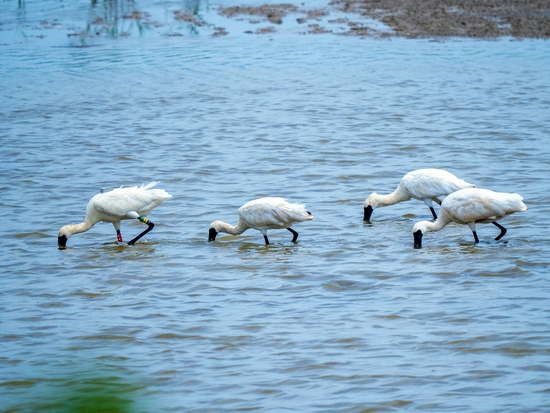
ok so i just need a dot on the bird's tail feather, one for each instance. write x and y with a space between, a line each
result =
150 185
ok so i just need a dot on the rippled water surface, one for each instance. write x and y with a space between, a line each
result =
351 318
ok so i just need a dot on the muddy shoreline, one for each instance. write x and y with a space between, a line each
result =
457 18
415 18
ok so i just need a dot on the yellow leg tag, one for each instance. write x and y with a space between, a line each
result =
144 220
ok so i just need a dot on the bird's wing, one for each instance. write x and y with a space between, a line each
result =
291 213
505 204
120 201
482 205
432 183
261 214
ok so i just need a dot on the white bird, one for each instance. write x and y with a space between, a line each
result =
116 205
472 206
423 184
263 214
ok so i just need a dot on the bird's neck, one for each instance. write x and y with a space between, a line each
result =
437 225
395 197
233 230
78 228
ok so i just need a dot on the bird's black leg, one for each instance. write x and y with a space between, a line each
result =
118 235
433 212
266 240
150 226
476 239
502 230
295 237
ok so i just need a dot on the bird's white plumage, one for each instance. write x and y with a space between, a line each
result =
473 205
263 214
432 183
116 205
272 213
481 205
423 184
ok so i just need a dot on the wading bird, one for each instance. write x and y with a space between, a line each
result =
263 214
116 205
423 184
470 207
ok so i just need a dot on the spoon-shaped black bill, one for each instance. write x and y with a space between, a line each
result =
62 242
367 214
418 239
212 235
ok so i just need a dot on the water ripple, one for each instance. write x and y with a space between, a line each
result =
351 318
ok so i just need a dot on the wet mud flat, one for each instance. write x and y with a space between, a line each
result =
413 18
457 18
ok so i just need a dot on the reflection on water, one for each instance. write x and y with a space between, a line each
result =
116 18
107 18
351 318
124 17
86 23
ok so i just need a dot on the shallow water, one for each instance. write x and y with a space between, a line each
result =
351 318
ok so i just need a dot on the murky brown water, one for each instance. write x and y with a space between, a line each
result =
350 319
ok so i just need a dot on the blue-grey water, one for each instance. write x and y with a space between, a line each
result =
351 318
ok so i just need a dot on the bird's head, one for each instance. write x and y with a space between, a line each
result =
373 200
370 203
418 231
62 237
214 230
